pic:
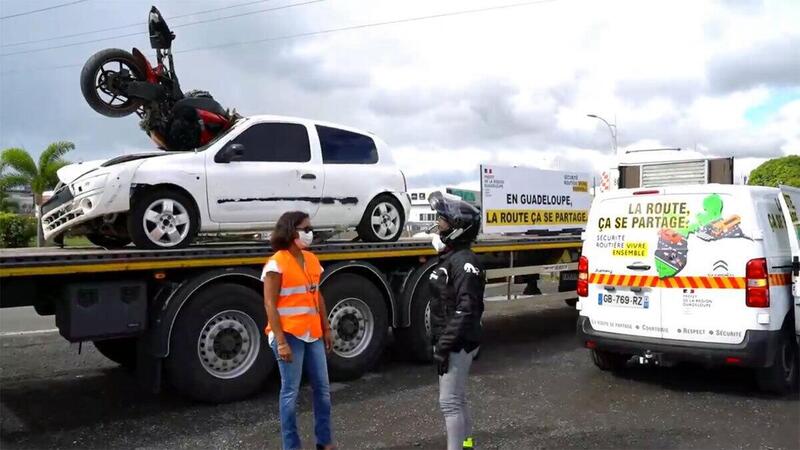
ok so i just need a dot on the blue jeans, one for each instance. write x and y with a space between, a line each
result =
308 357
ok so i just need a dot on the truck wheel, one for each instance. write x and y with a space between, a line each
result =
218 350
359 325
383 220
122 351
163 218
609 361
415 340
108 242
782 376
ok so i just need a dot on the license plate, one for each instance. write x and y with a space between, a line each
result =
625 300
569 276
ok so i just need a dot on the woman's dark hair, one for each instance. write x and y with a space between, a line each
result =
283 234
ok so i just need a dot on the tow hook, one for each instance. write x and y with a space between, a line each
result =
649 358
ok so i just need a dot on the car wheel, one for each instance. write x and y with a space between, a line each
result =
383 220
108 242
163 219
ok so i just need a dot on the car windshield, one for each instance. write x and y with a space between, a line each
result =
237 123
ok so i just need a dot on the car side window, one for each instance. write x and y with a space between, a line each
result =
275 142
345 147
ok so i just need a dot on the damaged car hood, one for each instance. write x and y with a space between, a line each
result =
72 172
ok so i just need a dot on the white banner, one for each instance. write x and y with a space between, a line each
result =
520 199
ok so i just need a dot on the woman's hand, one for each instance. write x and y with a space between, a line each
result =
285 352
328 338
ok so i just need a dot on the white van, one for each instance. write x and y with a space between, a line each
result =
690 273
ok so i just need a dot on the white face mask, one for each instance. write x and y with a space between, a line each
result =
304 239
437 243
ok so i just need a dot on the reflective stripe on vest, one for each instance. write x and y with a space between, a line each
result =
293 290
295 310
298 296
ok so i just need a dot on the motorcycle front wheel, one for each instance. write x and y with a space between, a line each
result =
104 80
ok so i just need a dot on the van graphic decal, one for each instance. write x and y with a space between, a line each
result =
710 225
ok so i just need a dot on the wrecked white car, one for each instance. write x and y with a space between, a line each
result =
242 182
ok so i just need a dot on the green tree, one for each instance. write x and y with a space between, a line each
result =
777 171
38 178
6 205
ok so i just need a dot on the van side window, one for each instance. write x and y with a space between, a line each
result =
346 147
275 142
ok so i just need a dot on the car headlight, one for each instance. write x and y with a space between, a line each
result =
88 184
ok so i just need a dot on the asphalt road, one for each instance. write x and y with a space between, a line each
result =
533 387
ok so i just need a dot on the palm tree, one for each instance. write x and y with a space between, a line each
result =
38 179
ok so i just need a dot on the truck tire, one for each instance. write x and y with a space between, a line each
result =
782 377
218 350
122 351
415 340
383 220
359 325
609 361
163 218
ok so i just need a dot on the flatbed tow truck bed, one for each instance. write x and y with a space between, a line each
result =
196 314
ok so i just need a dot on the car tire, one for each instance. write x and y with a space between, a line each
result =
782 377
167 212
609 361
122 351
359 325
218 349
383 220
108 242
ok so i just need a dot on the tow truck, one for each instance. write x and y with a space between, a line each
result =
194 318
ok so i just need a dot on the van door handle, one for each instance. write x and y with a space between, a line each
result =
638 267
309 176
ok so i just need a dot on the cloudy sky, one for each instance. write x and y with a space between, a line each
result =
502 86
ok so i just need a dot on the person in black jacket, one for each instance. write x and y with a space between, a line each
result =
457 284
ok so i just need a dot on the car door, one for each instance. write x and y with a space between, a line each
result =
790 203
350 161
278 171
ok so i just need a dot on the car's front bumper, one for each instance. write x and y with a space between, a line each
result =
63 211
757 349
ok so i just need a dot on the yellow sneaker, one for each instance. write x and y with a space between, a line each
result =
469 443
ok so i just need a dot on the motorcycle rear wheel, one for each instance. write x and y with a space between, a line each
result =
103 97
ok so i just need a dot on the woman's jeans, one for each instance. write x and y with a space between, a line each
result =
308 358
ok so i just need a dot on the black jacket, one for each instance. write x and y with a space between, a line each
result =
456 286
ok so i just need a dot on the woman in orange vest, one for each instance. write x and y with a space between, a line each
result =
298 328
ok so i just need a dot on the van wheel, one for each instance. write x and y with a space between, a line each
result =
383 220
218 350
609 361
359 325
122 351
782 376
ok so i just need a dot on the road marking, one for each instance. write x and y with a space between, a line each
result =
28 333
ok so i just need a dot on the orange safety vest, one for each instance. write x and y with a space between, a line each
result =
299 294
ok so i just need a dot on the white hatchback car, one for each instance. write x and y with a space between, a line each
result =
241 182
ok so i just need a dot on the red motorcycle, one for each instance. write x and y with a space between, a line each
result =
117 83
